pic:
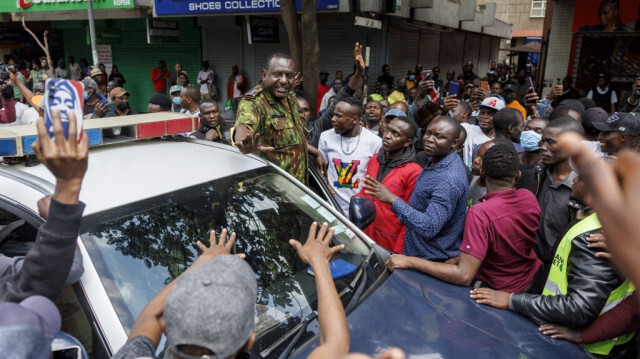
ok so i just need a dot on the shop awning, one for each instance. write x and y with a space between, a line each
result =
526 33
533 47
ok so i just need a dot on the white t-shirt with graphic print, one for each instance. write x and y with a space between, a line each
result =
347 161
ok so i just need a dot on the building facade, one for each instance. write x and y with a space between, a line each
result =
527 19
444 33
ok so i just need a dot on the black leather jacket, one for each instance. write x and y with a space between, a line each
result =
590 281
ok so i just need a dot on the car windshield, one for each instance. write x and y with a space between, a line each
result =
140 247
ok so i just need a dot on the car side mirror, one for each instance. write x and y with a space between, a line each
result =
362 211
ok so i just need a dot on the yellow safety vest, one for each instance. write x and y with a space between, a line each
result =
557 282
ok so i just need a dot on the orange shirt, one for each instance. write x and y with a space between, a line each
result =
515 104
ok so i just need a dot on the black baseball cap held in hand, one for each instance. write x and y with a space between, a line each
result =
624 122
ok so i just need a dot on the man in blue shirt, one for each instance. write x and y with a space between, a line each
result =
434 216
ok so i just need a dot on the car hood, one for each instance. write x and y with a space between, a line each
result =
428 318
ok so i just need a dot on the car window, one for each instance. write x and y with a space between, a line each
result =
17 237
16 233
139 248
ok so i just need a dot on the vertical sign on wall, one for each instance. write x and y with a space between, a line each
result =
105 56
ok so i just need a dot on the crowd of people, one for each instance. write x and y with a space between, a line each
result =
529 202
489 200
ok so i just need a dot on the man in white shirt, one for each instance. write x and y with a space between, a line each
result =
205 79
483 132
337 85
76 71
347 148
603 96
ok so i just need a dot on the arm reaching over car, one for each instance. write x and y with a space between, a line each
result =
334 332
149 323
46 266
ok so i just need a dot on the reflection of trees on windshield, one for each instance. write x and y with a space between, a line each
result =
164 231
264 221
164 236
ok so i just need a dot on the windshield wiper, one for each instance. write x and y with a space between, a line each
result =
361 277
302 328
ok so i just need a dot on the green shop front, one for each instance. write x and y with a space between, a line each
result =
136 46
126 36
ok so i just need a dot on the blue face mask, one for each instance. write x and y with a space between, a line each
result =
86 95
176 100
412 77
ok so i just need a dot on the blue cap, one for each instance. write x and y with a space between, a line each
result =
395 112
530 140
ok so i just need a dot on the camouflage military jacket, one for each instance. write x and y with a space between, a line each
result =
284 130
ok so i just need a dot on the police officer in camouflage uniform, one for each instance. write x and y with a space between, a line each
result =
268 120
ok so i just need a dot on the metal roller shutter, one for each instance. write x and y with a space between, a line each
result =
262 51
134 57
484 62
429 49
404 50
222 44
337 37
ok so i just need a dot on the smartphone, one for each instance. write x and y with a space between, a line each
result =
426 74
453 88
67 96
558 82
530 84
484 85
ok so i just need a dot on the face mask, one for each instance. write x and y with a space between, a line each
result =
86 95
122 106
412 77
176 100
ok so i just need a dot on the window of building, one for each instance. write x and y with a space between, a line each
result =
538 7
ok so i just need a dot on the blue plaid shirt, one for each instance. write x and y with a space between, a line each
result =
435 214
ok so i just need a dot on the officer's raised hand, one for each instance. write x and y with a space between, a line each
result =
249 144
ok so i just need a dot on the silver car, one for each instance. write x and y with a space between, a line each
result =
149 201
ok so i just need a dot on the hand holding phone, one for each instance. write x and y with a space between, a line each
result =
453 88
66 96
530 84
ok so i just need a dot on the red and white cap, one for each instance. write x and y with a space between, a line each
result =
494 103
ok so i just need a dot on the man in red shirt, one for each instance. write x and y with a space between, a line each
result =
323 88
499 232
396 168
159 76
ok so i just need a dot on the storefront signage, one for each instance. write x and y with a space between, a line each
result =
106 36
367 22
162 32
62 5
263 30
188 7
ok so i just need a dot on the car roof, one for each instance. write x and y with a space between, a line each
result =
129 172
